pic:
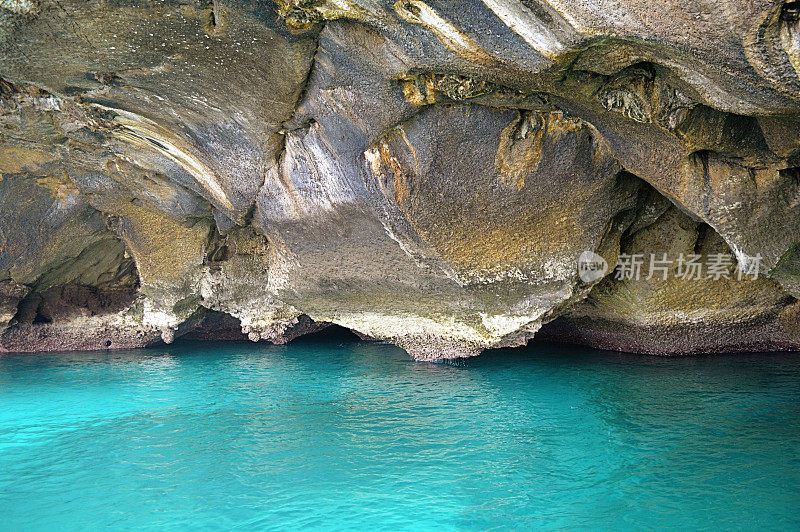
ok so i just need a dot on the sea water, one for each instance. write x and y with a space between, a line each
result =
330 433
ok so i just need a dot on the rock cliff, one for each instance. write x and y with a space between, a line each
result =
436 174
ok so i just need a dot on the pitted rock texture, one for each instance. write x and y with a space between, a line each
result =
423 172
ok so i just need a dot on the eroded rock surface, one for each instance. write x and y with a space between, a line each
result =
425 172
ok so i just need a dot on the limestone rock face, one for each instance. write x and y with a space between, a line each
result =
436 174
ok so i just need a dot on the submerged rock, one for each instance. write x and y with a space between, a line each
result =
433 174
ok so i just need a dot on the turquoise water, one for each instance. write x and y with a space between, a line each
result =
335 434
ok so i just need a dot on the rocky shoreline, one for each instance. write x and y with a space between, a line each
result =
427 173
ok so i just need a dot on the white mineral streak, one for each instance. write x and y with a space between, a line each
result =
145 133
420 13
155 315
373 157
20 7
310 180
500 325
379 325
790 40
525 24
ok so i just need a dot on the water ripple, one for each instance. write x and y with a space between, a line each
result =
316 435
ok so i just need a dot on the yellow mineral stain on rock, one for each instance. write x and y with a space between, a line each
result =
401 182
481 245
60 187
164 249
419 90
335 9
16 160
521 142
302 15
520 149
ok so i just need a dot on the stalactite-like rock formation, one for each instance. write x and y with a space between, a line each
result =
424 172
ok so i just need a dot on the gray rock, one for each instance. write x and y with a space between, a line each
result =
425 172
